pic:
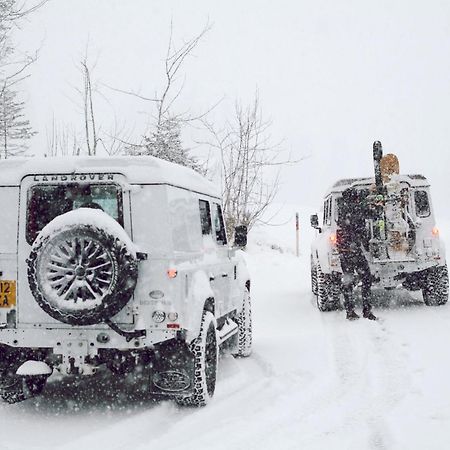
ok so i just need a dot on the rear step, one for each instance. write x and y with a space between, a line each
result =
229 328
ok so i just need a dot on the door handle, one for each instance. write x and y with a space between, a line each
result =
224 275
212 278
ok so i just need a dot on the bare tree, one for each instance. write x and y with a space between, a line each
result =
90 127
163 136
118 139
61 140
250 165
12 13
94 136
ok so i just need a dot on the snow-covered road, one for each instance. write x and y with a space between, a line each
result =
314 381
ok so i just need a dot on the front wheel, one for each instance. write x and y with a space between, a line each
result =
435 286
205 349
328 291
313 277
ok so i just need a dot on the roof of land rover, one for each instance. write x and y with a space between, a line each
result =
137 170
342 185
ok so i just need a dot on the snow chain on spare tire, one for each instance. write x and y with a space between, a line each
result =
435 286
204 347
82 264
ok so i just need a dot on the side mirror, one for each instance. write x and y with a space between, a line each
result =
314 221
240 236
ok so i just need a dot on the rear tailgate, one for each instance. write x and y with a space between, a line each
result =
30 313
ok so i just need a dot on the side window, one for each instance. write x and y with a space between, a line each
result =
422 203
205 216
327 212
219 226
337 206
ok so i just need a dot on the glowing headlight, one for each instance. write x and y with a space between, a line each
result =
159 316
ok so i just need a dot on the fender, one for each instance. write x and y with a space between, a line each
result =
200 296
242 277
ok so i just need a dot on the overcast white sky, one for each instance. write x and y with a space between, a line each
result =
332 75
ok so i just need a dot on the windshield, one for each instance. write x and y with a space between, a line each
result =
45 202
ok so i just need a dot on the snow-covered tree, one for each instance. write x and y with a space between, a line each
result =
165 143
12 13
15 129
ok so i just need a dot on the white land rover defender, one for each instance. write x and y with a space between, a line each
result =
117 261
404 248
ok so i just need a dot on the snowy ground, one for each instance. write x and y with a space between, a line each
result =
314 380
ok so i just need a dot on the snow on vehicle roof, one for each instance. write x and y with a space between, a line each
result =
415 180
137 170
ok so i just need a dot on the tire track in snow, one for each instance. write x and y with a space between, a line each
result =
375 388
395 379
239 379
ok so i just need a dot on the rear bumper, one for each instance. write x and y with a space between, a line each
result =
391 273
92 339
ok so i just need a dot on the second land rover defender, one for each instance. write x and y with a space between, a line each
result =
404 248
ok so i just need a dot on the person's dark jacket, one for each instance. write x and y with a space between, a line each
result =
352 233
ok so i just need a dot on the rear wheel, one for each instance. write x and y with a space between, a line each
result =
328 291
17 388
205 350
435 286
244 321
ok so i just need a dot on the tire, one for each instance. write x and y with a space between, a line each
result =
313 278
18 388
244 321
435 286
205 350
82 269
328 292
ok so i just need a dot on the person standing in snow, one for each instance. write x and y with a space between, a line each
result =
351 237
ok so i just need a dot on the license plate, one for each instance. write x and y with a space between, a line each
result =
7 294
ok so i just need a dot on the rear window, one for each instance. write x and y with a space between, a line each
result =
422 203
45 202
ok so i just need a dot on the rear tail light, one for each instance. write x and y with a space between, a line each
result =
333 238
172 273
159 316
435 231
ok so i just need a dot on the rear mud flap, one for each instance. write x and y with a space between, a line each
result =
172 369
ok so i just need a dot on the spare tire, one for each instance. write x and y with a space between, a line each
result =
82 268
